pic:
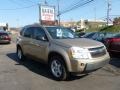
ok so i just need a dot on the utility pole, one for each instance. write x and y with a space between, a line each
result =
108 11
39 13
58 14
45 2
17 20
95 13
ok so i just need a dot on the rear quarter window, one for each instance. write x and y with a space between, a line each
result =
21 32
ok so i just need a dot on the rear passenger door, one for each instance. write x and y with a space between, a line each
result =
40 43
27 38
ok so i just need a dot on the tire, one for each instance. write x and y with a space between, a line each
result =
20 55
57 68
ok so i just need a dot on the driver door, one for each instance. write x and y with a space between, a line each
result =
40 43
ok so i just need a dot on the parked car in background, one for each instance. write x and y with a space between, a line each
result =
100 36
81 34
113 44
88 35
4 37
61 50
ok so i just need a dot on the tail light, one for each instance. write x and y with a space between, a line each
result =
116 39
111 40
7 38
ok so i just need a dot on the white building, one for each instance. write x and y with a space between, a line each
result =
4 26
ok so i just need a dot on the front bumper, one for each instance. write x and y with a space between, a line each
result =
86 66
95 65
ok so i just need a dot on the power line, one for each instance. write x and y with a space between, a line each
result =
31 1
20 7
110 17
78 5
12 1
115 15
75 6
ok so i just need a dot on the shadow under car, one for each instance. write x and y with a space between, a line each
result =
39 68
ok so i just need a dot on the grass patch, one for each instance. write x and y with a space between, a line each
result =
114 29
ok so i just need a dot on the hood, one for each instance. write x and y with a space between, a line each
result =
80 42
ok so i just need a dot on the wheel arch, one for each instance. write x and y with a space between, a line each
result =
18 46
65 59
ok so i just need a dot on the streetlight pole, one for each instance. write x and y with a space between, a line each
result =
39 13
108 11
45 2
58 14
17 20
95 13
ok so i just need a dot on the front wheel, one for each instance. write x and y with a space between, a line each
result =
20 55
58 69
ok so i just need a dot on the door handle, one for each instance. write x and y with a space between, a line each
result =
32 43
36 44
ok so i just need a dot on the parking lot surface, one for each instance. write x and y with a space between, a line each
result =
31 75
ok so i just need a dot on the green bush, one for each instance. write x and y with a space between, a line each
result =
114 29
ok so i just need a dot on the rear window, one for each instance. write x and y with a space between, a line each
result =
117 36
109 35
3 34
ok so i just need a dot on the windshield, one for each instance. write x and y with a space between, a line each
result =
61 33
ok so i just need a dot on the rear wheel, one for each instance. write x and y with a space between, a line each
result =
58 69
20 55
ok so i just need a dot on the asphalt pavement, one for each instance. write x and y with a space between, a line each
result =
31 75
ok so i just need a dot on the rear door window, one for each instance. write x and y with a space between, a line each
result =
28 32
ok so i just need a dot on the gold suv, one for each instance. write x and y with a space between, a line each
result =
61 49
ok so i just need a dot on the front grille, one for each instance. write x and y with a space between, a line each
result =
97 52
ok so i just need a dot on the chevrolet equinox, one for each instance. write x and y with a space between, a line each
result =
61 49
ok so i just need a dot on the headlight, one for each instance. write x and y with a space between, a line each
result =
80 53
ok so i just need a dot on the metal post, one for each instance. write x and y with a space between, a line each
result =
95 13
108 11
58 14
45 2
39 14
